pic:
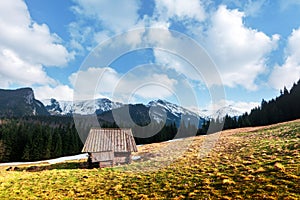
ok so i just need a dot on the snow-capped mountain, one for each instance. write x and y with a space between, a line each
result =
159 110
170 107
84 107
22 102
174 112
229 110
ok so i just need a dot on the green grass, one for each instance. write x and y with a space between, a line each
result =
262 164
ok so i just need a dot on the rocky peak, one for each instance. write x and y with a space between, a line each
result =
20 102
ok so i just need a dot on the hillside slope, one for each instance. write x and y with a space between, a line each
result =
248 163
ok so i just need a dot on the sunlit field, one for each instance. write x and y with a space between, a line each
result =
249 163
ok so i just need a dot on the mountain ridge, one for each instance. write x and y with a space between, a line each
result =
85 107
22 102
158 110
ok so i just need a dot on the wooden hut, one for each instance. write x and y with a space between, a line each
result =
109 147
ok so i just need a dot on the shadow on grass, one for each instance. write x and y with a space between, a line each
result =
66 165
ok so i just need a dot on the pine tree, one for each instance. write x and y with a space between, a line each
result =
48 143
56 144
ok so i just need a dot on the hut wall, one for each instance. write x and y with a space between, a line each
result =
122 157
102 156
106 164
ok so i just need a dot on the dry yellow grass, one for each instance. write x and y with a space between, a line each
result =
249 163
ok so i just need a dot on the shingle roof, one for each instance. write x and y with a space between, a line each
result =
117 140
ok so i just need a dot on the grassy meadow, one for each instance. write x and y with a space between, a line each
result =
248 163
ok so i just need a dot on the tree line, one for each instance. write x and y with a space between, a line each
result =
159 132
35 138
285 107
31 139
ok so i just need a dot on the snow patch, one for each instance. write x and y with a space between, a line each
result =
136 157
51 161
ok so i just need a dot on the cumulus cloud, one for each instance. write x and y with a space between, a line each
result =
25 46
233 107
289 72
99 82
152 86
249 7
33 41
80 35
126 17
239 52
180 10
253 7
117 16
240 106
177 63
109 18
60 92
89 83
14 70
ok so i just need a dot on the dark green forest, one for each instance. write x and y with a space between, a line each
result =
283 108
43 137
30 139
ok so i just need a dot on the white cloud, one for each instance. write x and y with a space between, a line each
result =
180 10
293 50
28 39
152 86
239 52
253 7
101 36
176 63
289 72
126 17
230 106
17 71
25 47
98 82
249 7
109 18
94 80
79 35
116 16
242 106
60 92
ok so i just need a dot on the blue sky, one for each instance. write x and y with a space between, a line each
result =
255 45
